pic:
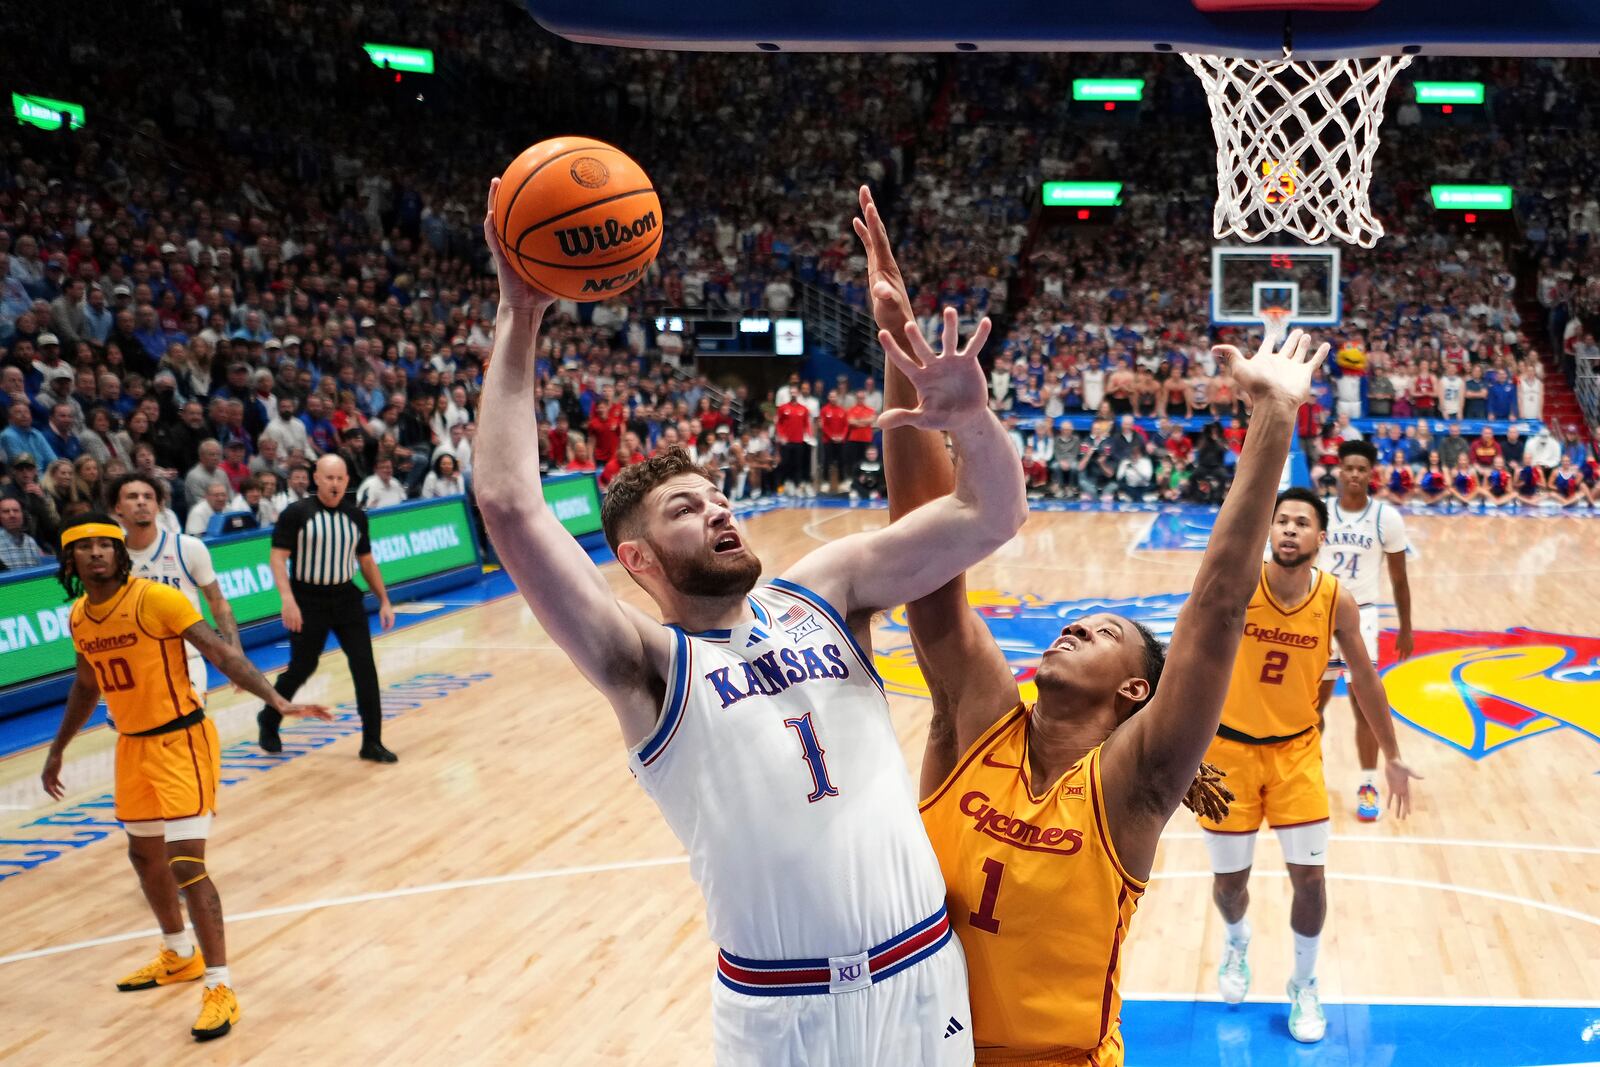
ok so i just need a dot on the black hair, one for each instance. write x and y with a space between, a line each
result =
1304 496
114 493
1155 658
67 571
1365 449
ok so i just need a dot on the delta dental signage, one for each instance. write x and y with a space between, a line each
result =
408 542
575 500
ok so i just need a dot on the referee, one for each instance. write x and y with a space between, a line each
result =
316 547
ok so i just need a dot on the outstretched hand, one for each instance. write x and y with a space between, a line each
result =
307 711
951 388
514 292
1282 372
891 303
1398 777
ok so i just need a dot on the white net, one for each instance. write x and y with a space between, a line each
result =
1295 142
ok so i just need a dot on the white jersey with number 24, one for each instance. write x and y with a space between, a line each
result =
1357 543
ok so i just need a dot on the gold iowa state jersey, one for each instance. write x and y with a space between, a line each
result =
1281 658
135 644
1038 897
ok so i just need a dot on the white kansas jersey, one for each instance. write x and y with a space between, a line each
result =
184 563
1357 543
777 766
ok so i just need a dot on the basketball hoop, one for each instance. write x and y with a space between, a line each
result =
1295 141
1274 326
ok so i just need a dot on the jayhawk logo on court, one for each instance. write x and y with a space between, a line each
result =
1475 691
1024 626
1479 691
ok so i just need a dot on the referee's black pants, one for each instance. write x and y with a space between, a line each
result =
339 609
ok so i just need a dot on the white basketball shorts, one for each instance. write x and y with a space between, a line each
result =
1370 628
919 1016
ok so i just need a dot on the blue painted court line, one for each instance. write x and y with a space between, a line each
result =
1209 1034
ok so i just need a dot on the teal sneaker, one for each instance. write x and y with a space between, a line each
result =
1233 977
1307 1024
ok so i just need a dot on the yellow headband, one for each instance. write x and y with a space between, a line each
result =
92 529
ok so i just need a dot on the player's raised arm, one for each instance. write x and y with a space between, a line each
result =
966 672
1372 700
1150 761
617 648
925 549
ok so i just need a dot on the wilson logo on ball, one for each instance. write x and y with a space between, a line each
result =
582 240
590 173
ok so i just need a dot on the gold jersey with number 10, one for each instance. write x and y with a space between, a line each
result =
1039 899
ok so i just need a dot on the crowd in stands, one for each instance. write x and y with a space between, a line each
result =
237 268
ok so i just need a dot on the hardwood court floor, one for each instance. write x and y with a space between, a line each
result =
507 894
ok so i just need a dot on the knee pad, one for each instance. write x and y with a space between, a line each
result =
198 861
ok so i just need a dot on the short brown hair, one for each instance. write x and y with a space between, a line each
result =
633 483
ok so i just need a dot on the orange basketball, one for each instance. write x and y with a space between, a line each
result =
578 218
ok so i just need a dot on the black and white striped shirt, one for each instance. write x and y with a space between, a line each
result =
322 542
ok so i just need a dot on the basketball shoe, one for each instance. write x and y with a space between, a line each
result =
168 967
1367 807
219 1010
1306 1022
1233 977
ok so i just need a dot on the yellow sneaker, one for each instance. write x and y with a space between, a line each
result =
165 969
219 1010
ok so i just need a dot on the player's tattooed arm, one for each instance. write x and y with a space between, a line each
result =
222 614
232 662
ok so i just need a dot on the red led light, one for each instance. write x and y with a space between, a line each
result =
1470 217
1083 214
397 79
1111 105
1449 109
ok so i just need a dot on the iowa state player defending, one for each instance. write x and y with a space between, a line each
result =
130 635
754 717
1271 748
1364 536
1046 819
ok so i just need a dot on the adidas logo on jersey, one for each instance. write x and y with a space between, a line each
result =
755 638
953 1028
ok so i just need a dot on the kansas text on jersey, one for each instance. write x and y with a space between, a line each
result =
776 764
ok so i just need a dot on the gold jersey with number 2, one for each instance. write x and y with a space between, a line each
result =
1039 899
1273 692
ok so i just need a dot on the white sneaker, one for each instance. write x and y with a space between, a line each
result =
1306 1022
1233 977
811 491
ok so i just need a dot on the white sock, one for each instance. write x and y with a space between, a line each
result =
1305 957
1239 932
216 976
1368 777
179 943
